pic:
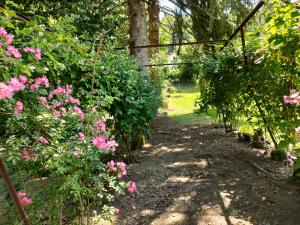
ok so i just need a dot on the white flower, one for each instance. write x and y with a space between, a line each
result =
32 68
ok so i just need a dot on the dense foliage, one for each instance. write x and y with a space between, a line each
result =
255 89
213 19
129 94
110 81
90 18
64 107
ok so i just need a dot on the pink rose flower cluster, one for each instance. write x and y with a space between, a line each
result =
5 91
13 51
38 82
99 126
102 142
131 187
119 168
63 90
37 52
27 156
18 108
23 199
16 84
78 111
293 99
12 86
43 140
59 98
8 38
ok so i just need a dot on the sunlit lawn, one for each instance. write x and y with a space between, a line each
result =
181 107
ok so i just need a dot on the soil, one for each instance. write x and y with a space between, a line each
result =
198 175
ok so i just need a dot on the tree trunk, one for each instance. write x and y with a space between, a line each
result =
153 12
138 30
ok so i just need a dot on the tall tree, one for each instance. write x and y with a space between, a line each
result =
138 30
214 19
153 12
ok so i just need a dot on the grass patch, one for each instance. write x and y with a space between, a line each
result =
181 107
245 126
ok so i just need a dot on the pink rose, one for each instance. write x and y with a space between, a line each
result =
81 136
132 187
23 199
18 108
5 91
43 140
116 211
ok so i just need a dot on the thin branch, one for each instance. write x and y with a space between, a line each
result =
179 6
161 25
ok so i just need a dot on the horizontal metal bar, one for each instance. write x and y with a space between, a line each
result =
173 44
20 16
170 64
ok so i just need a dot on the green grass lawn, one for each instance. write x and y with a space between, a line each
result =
181 107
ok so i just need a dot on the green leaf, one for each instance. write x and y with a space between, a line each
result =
10 13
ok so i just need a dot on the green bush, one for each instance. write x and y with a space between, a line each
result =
68 173
255 89
102 80
133 100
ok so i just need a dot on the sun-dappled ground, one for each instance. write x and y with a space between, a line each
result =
198 175
192 173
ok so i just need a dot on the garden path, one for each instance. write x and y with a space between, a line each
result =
197 175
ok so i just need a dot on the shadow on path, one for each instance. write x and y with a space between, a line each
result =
197 175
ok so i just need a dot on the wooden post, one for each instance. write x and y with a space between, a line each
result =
13 193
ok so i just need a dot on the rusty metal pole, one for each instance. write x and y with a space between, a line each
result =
243 45
245 21
13 193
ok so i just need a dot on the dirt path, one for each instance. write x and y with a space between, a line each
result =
197 175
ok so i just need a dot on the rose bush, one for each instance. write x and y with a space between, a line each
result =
60 155
110 81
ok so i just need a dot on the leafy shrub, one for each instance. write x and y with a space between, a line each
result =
53 138
107 81
48 137
132 98
254 89
222 87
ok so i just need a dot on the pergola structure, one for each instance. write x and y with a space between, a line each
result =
240 29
